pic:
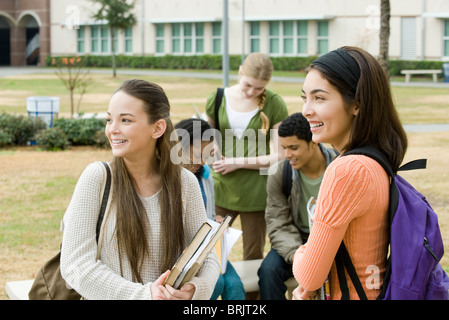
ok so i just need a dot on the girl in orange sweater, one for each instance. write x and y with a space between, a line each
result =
348 103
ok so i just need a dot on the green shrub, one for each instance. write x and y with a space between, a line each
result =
19 128
5 138
81 132
292 63
101 140
52 139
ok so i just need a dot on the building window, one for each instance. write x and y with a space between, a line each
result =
254 36
104 39
216 38
160 34
188 38
129 40
94 36
100 39
323 37
199 37
302 40
176 38
446 39
288 37
274 37
80 37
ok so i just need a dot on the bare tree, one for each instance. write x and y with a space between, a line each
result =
384 35
73 74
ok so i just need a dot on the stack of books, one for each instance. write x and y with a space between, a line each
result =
196 252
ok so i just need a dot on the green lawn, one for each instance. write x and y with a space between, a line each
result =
36 186
415 104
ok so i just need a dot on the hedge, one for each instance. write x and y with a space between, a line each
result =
214 62
397 65
203 62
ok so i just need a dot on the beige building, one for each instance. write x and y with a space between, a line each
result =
419 28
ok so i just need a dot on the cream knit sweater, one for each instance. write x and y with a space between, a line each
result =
101 279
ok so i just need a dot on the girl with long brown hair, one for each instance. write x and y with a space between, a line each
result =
348 103
156 208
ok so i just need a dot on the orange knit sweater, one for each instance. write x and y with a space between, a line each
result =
352 206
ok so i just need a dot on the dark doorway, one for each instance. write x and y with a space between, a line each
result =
5 43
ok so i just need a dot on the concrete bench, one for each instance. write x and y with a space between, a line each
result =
247 270
408 74
18 290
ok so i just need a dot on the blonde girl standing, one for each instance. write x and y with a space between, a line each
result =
248 119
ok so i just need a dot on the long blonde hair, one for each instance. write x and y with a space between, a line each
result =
259 66
132 220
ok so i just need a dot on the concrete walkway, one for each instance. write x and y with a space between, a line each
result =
426 127
6 71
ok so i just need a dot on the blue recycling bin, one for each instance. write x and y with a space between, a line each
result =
446 72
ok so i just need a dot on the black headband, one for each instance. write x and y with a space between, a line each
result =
342 65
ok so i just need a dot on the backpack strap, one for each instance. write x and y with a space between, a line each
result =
376 154
287 179
218 99
414 165
342 259
104 200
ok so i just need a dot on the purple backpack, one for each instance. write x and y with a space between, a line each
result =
416 246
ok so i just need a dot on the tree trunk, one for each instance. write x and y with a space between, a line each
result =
384 35
72 110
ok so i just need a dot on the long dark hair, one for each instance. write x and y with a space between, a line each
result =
377 122
132 220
